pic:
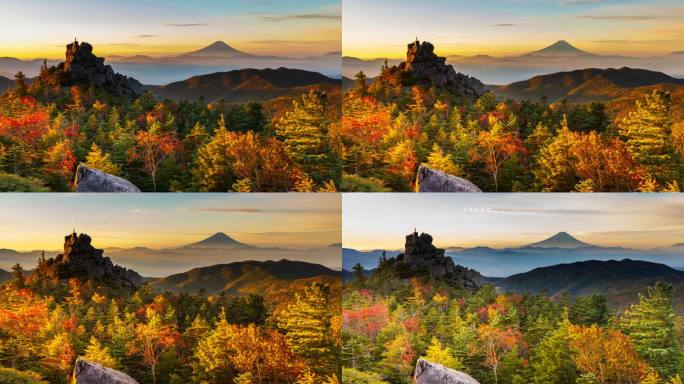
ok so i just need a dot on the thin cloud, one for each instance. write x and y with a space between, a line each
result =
624 17
146 36
302 16
186 25
546 211
261 210
502 25
566 3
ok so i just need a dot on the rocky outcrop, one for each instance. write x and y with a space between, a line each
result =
83 261
423 66
86 372
93 180
82 66
433 180
421 257
428 372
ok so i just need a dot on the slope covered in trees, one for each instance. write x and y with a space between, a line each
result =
64 117
587 85
505 337
247 84
46 322
391 126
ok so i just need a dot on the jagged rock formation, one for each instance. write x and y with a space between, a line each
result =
82 66
81 260
428 372
93 180
433 180
421 257
86 372
423 66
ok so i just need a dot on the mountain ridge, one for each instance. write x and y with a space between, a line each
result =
589 84
269 278
619 280
247 84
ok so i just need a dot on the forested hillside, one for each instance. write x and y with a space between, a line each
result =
80 111
631 140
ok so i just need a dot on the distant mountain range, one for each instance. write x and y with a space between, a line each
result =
216 249
588 85
560 56
247 84
216 57
560 248
5 83
620 281
272 279
4 276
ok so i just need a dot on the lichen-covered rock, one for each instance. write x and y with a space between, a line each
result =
428 372
433 180
94 180
423 66
86 372
421 257
82 66
83 261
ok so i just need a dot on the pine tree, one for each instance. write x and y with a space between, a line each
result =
552 362
647 130
304 130
651 326
98 353
361 87
437 354
308 326
102 161
441 161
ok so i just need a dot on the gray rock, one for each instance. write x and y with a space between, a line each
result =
428 372
422 65
86 372
94 180
82 66
423 258
434 180
81 260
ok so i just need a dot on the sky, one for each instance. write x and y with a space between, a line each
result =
40 221
42 28
383 28
381 221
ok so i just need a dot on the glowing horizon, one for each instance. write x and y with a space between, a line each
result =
36 29
503 28
641 221
297 221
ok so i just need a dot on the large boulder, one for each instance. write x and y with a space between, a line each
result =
94 180
424 67
433 180
421 257
428 372
86 372
82 66
83 261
